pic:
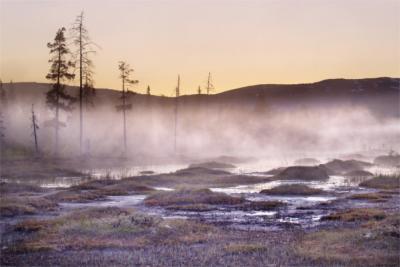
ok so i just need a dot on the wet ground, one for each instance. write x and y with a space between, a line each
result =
256 229
300 211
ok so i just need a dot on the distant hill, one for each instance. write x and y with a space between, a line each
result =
380 95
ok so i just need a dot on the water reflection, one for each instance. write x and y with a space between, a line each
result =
110 201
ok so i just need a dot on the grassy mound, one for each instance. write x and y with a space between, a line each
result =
200 171
212 165
274 171
375 197
15 206
292 189
358 173
383 182
338 166
75 196
359 214
112 227
109 187
191 196
95 184
130 186
9 188
306 173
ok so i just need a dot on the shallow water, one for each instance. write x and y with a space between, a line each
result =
332 184
110 201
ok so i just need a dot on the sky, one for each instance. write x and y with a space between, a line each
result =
241 42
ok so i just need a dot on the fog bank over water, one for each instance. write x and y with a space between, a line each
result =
333 116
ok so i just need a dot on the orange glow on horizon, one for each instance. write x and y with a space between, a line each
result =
240 42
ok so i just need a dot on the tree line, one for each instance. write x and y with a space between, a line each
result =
63 62
68 62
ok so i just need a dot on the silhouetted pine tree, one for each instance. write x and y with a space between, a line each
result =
125 72
57 97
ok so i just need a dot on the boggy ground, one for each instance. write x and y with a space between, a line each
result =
125 237
41 233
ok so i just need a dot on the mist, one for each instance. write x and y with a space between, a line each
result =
207 126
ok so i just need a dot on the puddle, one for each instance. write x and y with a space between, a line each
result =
110 201
164 188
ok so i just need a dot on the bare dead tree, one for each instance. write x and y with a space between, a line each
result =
210 86
177 93
125 73
35 128
84 48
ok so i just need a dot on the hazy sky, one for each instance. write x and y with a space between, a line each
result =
240 42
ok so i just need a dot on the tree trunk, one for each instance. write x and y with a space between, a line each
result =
80 90
124 114
57 122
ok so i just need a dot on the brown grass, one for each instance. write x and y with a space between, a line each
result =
373 244
358 214
191 196
375 197
108 228
383 182
75 196
95 184
245 248
14 206
8 188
